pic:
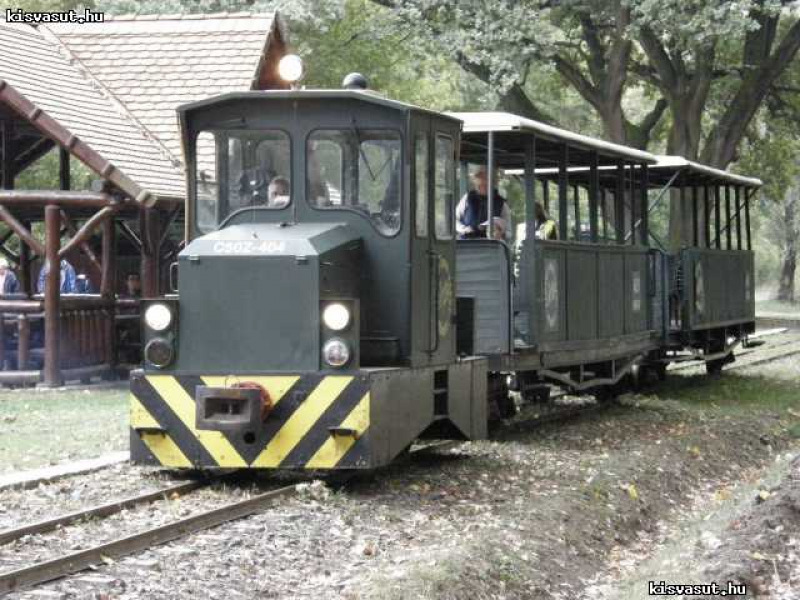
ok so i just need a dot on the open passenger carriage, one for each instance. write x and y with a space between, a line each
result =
581 305
710 281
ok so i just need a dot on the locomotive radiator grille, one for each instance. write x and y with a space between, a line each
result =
317 422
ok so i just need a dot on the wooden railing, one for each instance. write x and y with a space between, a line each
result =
88 339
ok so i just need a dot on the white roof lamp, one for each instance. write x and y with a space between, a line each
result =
291 70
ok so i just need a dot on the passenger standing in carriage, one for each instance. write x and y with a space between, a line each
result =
545 227
472 212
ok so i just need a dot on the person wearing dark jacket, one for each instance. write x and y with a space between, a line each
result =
472 212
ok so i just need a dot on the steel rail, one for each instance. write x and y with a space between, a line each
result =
697 362
78 561
765 359
103 510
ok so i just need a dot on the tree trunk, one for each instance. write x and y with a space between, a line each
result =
684 140
791 234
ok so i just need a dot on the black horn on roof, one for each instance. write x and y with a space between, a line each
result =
354 81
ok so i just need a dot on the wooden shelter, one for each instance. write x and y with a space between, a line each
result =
105 95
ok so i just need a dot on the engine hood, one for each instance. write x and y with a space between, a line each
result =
271 239
249 295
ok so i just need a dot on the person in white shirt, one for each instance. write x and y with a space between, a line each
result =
472 212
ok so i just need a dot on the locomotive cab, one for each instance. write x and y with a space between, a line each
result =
314 325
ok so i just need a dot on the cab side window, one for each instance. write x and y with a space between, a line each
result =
207 182
421 183
445 185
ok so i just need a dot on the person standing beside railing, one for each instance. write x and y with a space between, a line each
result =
9 284
68 278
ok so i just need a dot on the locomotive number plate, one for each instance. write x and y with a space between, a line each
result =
250 247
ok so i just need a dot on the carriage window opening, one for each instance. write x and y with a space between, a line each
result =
357 169
421 183
247 169
207 183
444 182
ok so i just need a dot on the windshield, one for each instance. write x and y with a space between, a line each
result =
357 169
238 170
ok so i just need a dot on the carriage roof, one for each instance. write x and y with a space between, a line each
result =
512 129
673 171
695 173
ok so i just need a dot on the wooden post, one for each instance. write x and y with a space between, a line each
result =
63 169
717 219
150 252
695 218
576 201
604 213
530 190
108 289
707 215
563 191
738 195
747 195
634 205
728 242
23 342
52 297
644 226
619 202
7 165
2 342
108 281
546 194
490 183
594 193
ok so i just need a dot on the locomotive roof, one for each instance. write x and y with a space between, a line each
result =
360 95
504 122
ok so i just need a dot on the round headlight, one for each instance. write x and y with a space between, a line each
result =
158 317
159 352
336 353
336 316
290 68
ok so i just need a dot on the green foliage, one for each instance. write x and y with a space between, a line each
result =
358 36
43 174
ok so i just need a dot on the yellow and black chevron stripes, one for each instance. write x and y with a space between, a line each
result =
296 434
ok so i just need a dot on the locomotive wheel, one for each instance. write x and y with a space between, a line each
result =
501 404
536 395
714 367
636 378
505 406
606 393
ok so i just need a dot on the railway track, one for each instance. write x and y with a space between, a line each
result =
790 346
43 571
47 570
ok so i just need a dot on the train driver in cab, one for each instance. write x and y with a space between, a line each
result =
472 212
278 192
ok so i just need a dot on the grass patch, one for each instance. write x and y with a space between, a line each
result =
39 428
733 392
